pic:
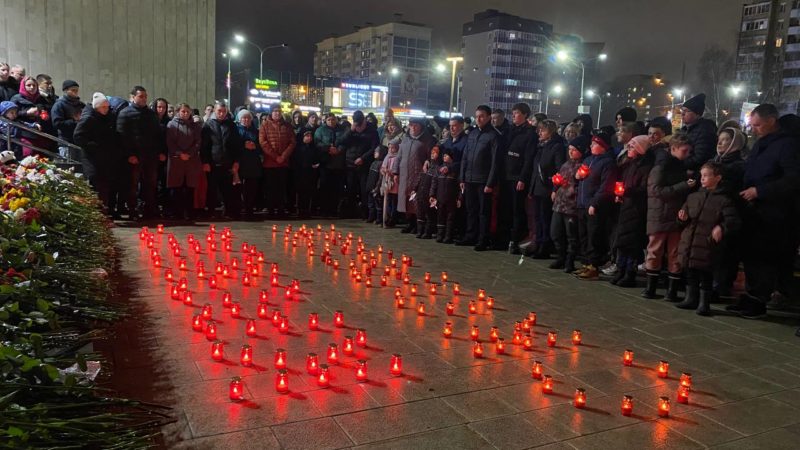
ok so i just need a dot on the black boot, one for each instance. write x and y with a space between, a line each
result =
420 229
569 264
448 234
440 233
692 299
704 305
430 230
618 277
652 284
672 288
629 280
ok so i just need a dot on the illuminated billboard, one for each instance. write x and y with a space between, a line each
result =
356 96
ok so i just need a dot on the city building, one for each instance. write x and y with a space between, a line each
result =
111 46
648 94
395 54
505 59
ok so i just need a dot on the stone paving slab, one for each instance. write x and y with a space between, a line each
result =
746 373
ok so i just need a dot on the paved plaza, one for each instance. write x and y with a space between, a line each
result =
745 375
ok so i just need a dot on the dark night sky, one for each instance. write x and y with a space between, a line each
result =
641 36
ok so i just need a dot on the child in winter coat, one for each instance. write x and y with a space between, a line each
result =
564 224
730 144
631 194
709 216
444 194
374 197
389 183
426 205
10 111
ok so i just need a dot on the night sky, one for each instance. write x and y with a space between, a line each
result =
641 36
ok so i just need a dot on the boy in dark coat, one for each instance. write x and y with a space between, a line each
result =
564 225
374 197
427 209
709 216
631 194
444 190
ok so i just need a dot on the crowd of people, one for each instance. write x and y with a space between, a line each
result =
692 204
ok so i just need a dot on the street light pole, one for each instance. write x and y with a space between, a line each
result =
241 39
583 77
455 60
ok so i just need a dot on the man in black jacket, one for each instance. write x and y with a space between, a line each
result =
138 128
702 133
220 151
518 163
480 168
359 142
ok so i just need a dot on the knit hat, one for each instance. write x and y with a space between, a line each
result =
602 139
6 106
581 143
68 84
242 113
696 104
639 144
627 114
662 123
395 141
98 99
358 117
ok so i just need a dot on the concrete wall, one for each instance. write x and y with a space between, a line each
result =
167 46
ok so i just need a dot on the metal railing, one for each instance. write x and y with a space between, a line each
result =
73 152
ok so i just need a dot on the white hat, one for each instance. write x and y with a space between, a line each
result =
98 99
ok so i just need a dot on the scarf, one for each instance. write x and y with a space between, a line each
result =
24 93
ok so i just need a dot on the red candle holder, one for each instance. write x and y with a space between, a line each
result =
287 294
176 252
427 277
197 323
447 331
246 357
576 337
217 351
235 263
400 302
338 319
282 381
407 280
280 358
276 317
663 369
477 350
527 342
186 297
421 308
227 300
347 346
536 371
450 308
456 289
474 334
250 328
532 318
516 338
236 310
236 389
333 353
627 358
312 364
358 278
627 405
201 273
283 327
368 282
398 293
579 399
156 261
260 257
227 272
473 308
384 280
212 246
212 282
262 311
481 294
547 384
557 180
168 275
683 395
432 289
396 365
490 302
246 279
583 171
686 379
183 284
274 228
361 370
552 336
444 277
517 326
663 407
494 334
500 346
361 337
206 311
313 321
619 189
324 376
263 296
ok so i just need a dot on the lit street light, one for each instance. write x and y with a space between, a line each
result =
557 89
563 55
241 39
454 60
590 93
392 72
231 54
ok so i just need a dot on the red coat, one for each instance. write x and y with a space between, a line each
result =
277 139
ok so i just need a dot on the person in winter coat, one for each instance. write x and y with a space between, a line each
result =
161 106
518 164
328 139
702 132
501 125
709 216
96 134
480 173
595 197
389 182
46 91
139 130
66 112
298 121
184 166
33 109
426 203
391 130
550 156
630 193
771 185
10 111
415 149
7 83
277 140
250 161
667 187
564 224
374 197
305 167
659 130
454 146
444 194
359 144
221 150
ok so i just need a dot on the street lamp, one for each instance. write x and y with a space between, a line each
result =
241 39
454 60
563 55
392 72
231 53
590 93
557 89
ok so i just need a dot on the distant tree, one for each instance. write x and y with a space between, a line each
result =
715 72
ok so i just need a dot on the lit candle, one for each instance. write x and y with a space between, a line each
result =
400 302
283 328
579 400
245 247
236 310
397 293
156 261
206 311
619 188
168 274
226 272
407 280
333 353
500 346
456 289
175 293
212 282
583 171
627 405
627 358
358 277
451 308
262 311
212 246
493 334
427 277
338 319
536 371
234 263
433 289
217 351
236 390
187 298
324 377
526 325
368 283
274 228
551 338
663 406
247 355
312 363
447 331
481 294
384 280
473 308
276 317
686 379
547 384
361 337
227 301
444 277
396 365
336 264
183 284
421 308
313 321
227 246
361 370
201 273
260 257
490 302
557 179
683 395
474 334
347 346
197 323
576 337
527 342
282 381
516 338
280 358
532 317
517 326
477 350
663 369
250 328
